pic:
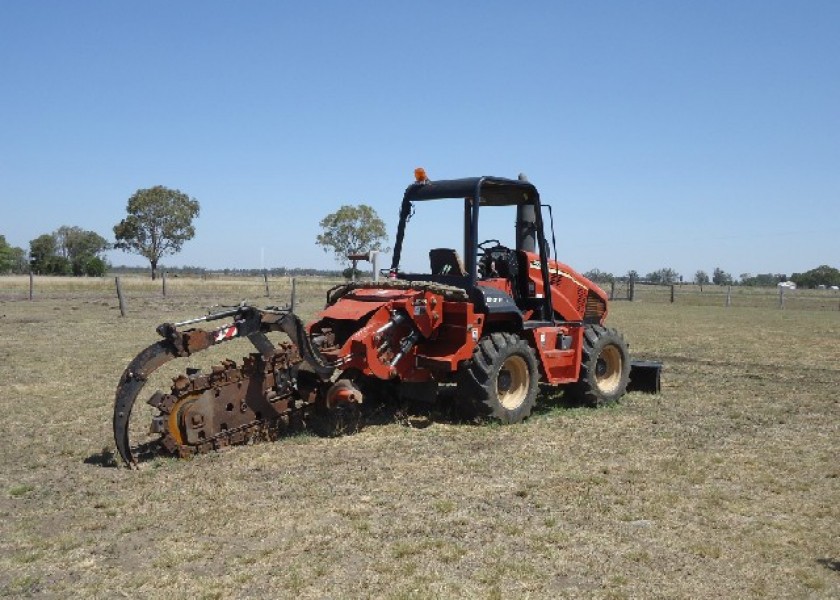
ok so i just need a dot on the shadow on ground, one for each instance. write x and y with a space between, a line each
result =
830 564
415 413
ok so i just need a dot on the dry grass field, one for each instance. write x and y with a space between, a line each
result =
727 484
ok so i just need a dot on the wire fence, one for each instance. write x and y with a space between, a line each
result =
128 289
736 296
281 289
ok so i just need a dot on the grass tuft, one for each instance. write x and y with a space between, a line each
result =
21 489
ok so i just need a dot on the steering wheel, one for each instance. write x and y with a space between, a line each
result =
484 261
485 245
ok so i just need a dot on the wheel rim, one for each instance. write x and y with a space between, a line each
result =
608 369
512 382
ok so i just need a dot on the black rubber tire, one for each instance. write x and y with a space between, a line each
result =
501 381
604 367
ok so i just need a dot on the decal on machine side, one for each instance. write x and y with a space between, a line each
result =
225 333
535 264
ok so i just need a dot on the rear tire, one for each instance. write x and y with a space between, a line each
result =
501 381
604 367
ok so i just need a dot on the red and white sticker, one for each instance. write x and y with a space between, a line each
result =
225 333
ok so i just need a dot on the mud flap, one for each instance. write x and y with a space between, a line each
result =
644 376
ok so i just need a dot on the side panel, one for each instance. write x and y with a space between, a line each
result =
573 296
559 352
417 338
455 339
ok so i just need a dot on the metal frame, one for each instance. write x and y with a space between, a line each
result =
474 192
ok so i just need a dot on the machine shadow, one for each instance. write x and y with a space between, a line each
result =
415 413
831 565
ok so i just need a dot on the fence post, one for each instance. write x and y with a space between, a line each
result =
265 278
120 297
728 296
294 293
31 286
612 289
631 288
672 293
782 297
163 283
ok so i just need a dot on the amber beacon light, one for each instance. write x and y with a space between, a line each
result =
420 175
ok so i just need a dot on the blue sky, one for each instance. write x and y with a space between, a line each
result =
665 134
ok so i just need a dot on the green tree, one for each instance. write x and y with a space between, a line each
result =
159 221
822 275
80 247
94 266
68 251
352 230
701 278
19 260
665 276
42 254
351 274
762 279
721 277
599 276
12 258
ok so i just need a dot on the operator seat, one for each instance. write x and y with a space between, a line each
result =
445 261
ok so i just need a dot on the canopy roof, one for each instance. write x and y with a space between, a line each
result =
495 191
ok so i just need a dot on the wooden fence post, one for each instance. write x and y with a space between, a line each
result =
672 293
31 286
294 293
120 297
265 279
782 297
163 283
612 289
729 296
631 288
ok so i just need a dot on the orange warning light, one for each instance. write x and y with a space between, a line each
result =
420 175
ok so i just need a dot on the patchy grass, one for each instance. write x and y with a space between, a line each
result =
724 485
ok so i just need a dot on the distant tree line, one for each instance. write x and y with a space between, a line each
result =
762 279
69 251
252 272
599 276
823 275
66 251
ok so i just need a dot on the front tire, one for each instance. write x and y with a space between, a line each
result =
604 368
501 381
